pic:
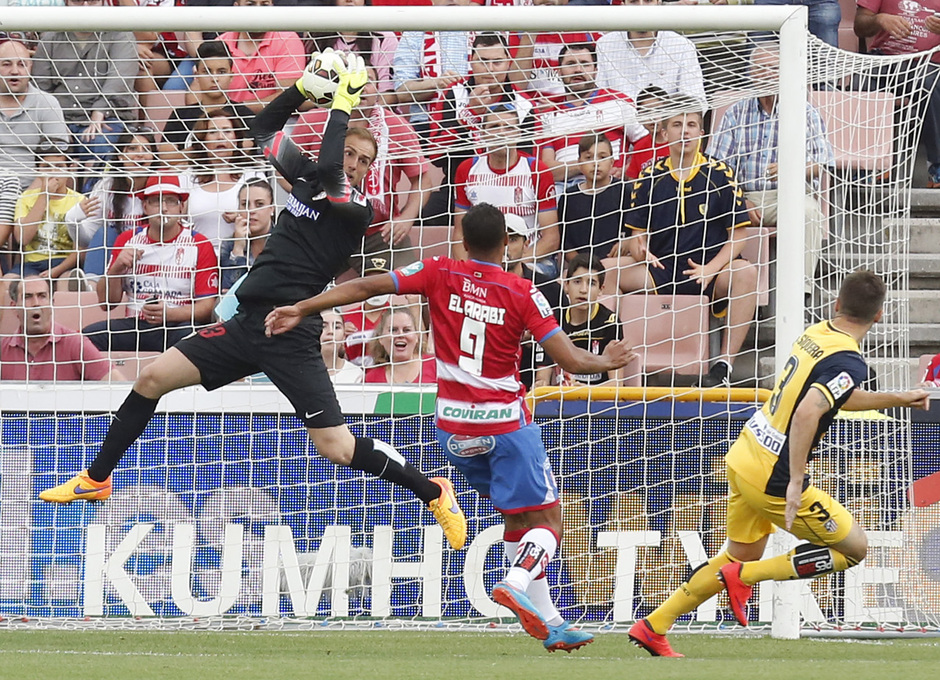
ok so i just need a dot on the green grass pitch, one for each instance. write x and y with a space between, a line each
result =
439 655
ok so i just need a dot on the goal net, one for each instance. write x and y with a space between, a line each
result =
222 510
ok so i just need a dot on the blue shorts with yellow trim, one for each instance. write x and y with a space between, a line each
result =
752 514
511 469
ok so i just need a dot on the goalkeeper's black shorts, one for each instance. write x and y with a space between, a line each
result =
226 352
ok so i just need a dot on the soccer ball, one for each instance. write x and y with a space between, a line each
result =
321 77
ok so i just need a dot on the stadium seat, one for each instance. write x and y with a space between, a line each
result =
860 127
77 310
667 331
130 363
757 251
432 240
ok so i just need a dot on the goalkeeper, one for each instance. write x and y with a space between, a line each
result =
322 224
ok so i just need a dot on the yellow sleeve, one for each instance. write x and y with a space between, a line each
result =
25 203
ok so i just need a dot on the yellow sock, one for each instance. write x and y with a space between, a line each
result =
780 568
702 585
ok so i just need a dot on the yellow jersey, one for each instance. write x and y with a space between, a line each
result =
823 357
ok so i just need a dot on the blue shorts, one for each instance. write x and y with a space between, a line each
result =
511 469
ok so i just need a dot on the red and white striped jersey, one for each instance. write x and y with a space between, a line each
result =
479 313
176 271
562 124
525 189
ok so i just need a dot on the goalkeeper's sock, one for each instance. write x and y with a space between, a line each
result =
702 584
804 561
126 426
381 460
536 548
538 591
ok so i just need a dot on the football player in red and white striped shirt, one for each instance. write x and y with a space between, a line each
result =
479 313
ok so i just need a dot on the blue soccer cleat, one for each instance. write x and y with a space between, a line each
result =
528 614
567 638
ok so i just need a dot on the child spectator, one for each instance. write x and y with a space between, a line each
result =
332 347
212 81
114 204
590 213
218 170
397 352
39 219
169 273
252 225
533 356
590 325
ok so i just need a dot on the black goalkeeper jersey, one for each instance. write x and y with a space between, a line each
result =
324 220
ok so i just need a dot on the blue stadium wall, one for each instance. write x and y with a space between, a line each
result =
193 455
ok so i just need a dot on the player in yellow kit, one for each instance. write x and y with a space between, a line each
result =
767 480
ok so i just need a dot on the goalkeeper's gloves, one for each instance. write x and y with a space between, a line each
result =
352 79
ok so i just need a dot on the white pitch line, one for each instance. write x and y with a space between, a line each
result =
81 652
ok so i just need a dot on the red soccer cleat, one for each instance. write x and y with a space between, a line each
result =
738 591
646 638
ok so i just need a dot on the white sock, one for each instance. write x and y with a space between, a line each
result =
541 597
538 591
536 548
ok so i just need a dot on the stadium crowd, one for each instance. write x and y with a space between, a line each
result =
595 147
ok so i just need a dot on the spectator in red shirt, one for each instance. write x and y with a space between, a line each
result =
42 350
264 62
169 273
898 27
399 155
397 351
